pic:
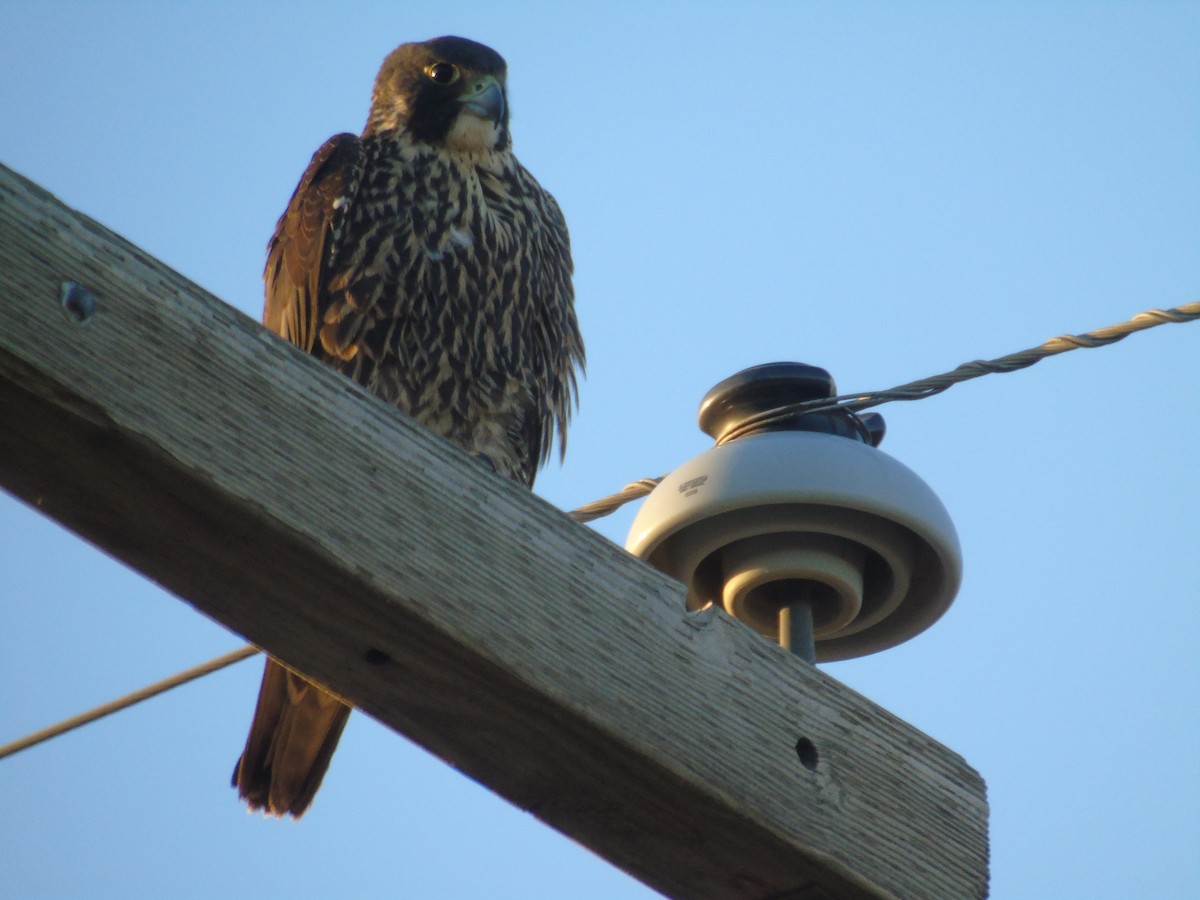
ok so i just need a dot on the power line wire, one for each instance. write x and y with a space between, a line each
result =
605 506
128 700
917 390
928 387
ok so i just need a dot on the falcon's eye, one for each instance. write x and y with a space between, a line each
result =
442 72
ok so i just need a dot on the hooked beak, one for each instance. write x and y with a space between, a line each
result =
485 98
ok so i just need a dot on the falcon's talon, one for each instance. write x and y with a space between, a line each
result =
486 460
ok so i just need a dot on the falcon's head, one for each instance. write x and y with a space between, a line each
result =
447 92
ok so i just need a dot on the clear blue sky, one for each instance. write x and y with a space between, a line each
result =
883 189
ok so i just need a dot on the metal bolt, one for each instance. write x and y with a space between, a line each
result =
78 301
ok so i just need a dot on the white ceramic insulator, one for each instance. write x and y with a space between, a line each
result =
812 493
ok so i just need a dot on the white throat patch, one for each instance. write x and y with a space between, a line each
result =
473 134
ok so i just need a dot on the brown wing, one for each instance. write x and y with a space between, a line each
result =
305 244
296 724
555 324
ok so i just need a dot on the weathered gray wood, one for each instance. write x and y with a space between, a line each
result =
285 502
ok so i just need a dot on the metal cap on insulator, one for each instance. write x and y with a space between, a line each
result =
743 404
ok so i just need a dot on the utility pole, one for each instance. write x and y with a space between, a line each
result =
289 504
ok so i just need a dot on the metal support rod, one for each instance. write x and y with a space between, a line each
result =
796 630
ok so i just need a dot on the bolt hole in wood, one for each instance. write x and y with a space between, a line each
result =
78 301
376 657
807 751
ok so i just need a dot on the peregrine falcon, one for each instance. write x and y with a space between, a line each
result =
425 262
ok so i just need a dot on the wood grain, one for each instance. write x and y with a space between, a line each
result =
285 502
